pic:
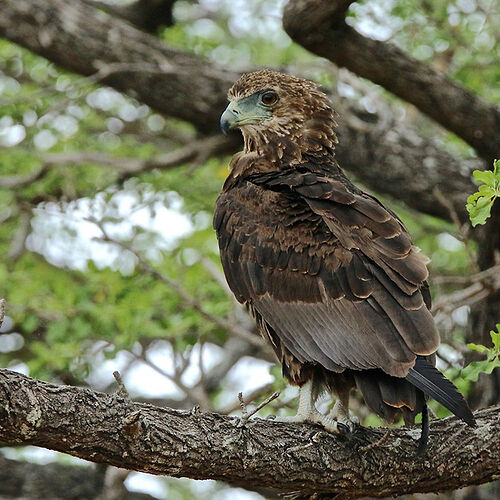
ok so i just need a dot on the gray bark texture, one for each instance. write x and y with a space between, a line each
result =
385 154
113 430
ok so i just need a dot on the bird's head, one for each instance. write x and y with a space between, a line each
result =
271 107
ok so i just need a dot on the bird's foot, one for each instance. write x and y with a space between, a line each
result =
343 416
316 417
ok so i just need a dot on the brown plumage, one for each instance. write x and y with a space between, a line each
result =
330 275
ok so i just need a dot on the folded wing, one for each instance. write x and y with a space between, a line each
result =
329 269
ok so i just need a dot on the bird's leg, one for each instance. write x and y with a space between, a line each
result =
340 412
307 412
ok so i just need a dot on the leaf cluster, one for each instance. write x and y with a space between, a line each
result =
492 361
480 203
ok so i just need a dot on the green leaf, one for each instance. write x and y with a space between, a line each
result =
479 212
495 338
484 176
472 371
496 168
486 191
479 203
477 347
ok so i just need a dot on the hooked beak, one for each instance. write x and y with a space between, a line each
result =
246 111
228 119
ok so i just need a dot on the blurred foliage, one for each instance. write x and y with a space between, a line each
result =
75 300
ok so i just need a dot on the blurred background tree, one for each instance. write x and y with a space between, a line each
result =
109 261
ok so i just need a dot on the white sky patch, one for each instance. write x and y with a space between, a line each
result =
40 456
461 315
44 140
145 483
148 382
11 136
449 242
18 367
238 494
65 238
451 355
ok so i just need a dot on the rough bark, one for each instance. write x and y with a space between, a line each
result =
112 430
319 26
384 154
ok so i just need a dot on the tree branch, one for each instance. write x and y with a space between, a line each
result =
127 167
482 285
84 40
148 15
386 155
319 26
108 429
25 480
190 302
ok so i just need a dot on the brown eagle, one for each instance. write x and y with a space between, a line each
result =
330 275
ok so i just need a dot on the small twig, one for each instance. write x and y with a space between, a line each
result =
2 311
125 166
314 440
462 229
466 297
243 405
379 443
252 396
247 416
17 245
104 70
122 390
465 280
189 301
20 181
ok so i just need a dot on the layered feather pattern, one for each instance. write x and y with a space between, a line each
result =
330 275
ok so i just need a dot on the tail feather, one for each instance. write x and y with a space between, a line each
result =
434 384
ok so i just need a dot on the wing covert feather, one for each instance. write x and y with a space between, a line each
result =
331 271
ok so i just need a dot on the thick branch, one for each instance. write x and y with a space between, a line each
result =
109 429
386 155
319 26
81 39
148 15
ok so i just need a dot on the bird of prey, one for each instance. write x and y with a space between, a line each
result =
330 274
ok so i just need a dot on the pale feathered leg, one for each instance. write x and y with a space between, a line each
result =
307 412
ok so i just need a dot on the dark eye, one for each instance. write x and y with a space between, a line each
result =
269 98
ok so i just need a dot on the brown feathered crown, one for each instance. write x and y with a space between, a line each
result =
302 113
